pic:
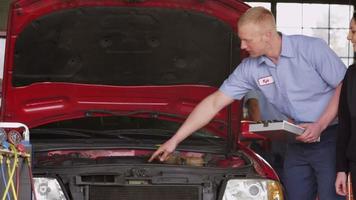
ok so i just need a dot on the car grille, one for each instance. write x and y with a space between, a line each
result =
144 192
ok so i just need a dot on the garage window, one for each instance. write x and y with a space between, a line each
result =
327 21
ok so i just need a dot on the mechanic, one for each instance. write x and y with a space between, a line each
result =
259 109
299 75
346 142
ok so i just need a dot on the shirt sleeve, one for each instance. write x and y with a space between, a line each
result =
326 62
239 82
344 131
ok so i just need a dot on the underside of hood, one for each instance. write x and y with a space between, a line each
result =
64 57
124 46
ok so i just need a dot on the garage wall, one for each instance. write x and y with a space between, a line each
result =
4 7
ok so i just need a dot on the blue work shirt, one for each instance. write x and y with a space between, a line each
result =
302 83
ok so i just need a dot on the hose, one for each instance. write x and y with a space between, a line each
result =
11 176
14 192
18 181
3 174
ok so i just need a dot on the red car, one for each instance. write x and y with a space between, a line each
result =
101 84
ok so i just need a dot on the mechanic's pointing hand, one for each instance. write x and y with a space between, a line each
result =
164 151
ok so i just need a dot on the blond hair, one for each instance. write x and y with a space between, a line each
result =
259 16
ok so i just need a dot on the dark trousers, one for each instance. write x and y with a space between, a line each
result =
309 169
352 169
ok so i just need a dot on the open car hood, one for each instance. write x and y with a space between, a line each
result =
64 58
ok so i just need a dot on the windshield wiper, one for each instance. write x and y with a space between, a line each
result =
168 133
161 133
65 132
84 133
128 135
153 114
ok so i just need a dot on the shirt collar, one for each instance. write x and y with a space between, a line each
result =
287 48
286 51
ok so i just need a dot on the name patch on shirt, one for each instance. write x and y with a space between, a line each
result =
265 80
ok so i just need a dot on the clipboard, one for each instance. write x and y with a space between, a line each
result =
277 130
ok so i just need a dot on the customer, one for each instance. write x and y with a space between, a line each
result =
346 136
299 75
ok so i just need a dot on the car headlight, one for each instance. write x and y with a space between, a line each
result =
48 189
253 189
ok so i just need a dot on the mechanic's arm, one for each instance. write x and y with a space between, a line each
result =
313 130
199 117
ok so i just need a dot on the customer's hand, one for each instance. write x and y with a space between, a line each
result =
311 133
340 183
164 151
